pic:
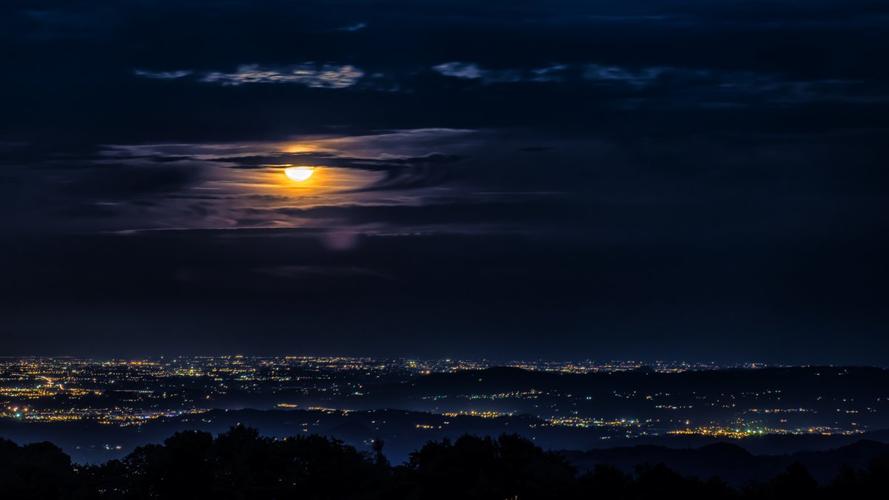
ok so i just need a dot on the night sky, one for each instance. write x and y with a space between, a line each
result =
637 179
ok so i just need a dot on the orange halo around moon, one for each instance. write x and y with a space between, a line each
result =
299 174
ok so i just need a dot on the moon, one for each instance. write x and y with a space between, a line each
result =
299 174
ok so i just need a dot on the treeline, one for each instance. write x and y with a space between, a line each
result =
241 464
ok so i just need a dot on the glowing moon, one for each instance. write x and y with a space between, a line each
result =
299 174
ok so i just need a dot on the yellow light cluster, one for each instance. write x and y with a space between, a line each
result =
591 422
741 433
476 413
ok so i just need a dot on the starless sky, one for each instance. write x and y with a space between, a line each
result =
646 179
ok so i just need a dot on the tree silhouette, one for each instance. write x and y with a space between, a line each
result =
242 464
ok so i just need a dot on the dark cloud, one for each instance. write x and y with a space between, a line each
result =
127 182
491 293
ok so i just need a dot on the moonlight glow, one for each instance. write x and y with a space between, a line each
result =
299 174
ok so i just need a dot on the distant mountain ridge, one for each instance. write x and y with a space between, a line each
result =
827 378
85 441
730 462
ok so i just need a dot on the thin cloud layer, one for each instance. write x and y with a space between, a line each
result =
317 76
162 75
327 76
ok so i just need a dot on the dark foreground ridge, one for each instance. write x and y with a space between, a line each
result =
241 464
